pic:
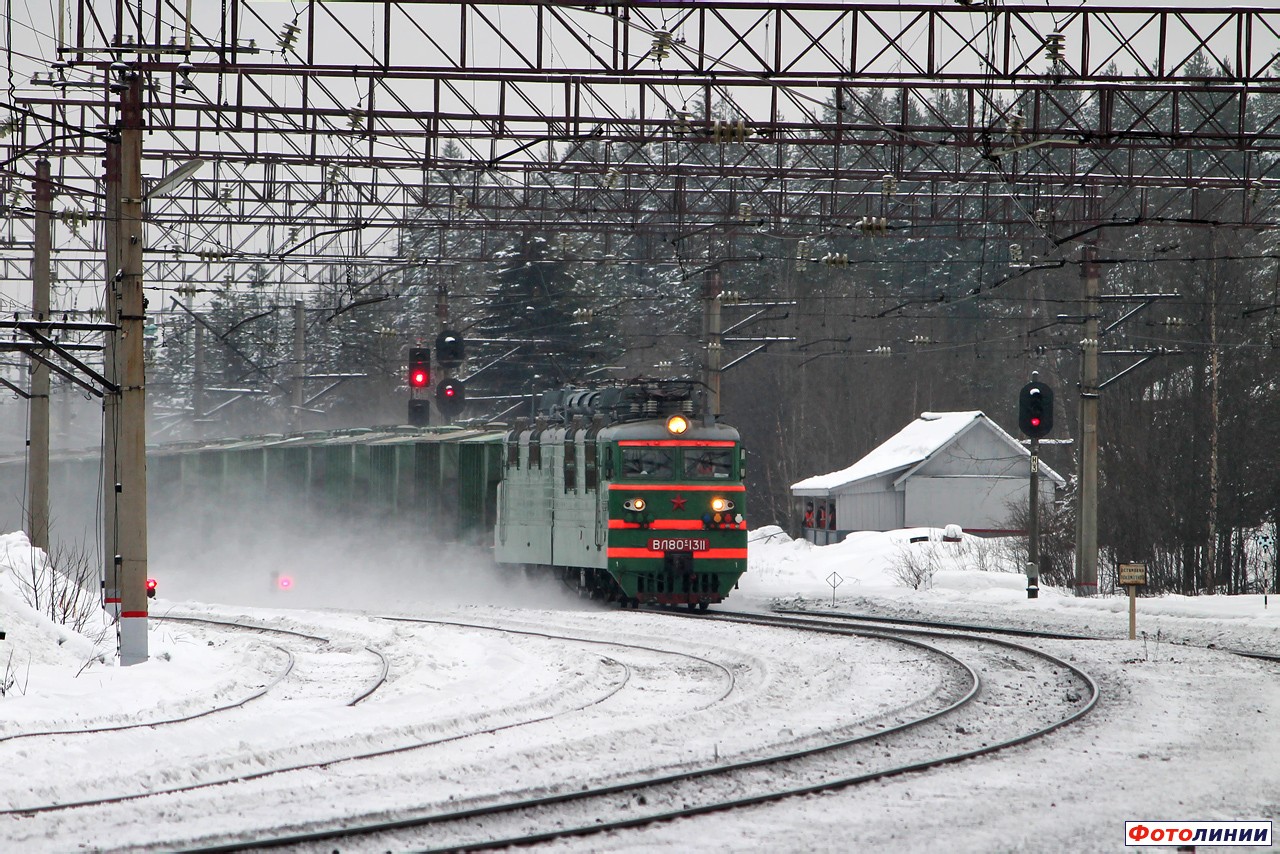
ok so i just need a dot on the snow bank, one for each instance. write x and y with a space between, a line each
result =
870 562
32 638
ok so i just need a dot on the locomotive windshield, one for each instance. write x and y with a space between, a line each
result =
708 462
648 462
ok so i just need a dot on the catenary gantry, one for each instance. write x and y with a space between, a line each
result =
329 127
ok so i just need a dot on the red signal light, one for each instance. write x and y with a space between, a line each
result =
451 397
151 588
1035 410
284 582
419 367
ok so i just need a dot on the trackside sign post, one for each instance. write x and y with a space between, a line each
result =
1132 575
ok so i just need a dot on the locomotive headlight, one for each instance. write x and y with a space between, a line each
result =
635 505
677 424
720 505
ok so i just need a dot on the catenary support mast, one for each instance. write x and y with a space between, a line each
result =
1087 517
131 485
38 417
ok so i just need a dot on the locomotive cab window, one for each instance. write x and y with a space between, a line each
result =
708 462
648 462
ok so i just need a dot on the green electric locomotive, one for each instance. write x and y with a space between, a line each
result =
628 494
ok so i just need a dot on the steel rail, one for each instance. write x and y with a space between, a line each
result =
383 665
999 630
272 683
375 754
1033 633
705 809
730 680
969 691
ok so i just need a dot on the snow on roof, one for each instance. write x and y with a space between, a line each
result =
909 447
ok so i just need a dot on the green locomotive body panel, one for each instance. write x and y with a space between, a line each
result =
677 529
569 497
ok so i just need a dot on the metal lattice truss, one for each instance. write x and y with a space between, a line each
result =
329 127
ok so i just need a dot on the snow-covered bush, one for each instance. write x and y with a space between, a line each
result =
61 585
916 563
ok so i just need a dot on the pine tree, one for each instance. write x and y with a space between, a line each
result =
537 304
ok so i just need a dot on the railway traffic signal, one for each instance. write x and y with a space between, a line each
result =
451 397
1035 410
151 588
420 413
450 350
419 367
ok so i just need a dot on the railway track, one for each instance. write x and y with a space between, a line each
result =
272 681
584 694
957 729
273 684
907 622
362 694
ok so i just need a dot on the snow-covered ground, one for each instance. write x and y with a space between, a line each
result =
1183 732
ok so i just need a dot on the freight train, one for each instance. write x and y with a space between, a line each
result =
628 493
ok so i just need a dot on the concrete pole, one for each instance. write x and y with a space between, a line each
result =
197 384
445 372
1087 515
711 291
38 414
131 449
299 362
1211 547
111 371
66 415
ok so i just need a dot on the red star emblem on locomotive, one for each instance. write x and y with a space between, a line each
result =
677 503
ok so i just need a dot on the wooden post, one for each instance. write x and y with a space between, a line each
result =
1131 576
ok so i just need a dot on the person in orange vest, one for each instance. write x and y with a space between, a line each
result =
822 515
808 515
